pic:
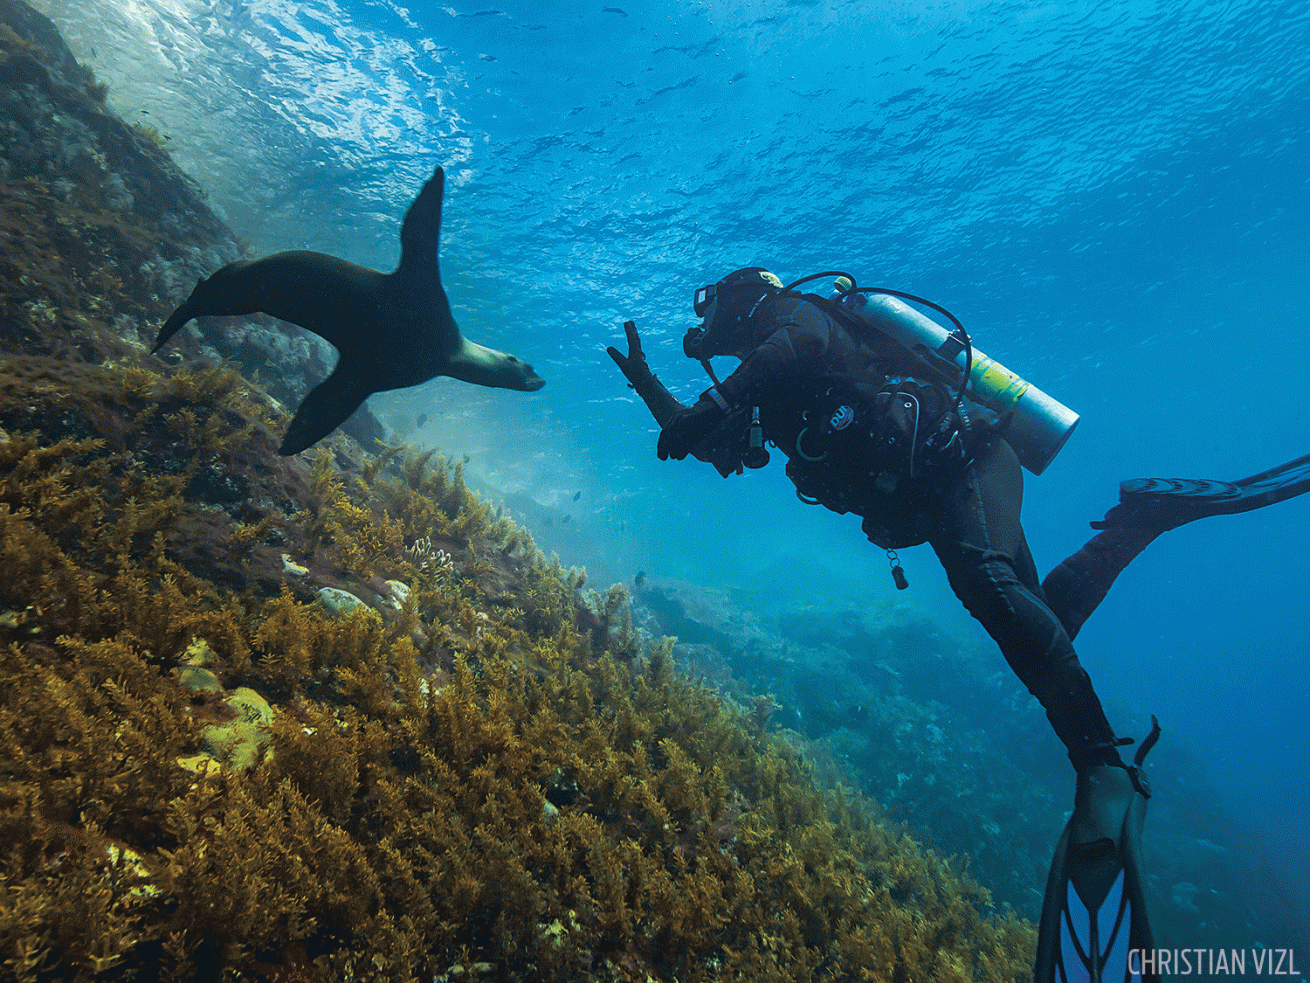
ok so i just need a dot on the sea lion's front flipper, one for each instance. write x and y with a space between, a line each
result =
420 234
325 408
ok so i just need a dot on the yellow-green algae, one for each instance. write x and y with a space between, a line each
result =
400 827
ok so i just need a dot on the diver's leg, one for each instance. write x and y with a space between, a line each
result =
1076 587
1148 507
981 544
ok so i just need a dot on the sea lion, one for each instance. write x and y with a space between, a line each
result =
393 330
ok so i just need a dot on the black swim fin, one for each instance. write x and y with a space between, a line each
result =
1171 502
1094 927
1148 507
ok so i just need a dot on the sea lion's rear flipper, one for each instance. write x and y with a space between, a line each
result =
213 294
420 233
174 323
325 408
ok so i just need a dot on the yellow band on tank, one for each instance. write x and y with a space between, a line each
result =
994 383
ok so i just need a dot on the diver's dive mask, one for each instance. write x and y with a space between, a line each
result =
704 297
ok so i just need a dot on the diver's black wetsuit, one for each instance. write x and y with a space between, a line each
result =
968 513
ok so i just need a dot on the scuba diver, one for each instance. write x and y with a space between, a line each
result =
884 413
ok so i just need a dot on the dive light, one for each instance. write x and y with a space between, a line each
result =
757 455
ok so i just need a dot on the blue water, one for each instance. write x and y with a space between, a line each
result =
1112 197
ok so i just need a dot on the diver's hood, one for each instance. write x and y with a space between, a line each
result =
739 295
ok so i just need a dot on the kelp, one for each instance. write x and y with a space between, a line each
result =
539 795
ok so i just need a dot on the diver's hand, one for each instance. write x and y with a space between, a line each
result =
635 354
687 428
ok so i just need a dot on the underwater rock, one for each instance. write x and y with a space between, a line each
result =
399 591
198 653
252 707
459 971
339 601
900 704
85 194
237 744
699 615
199 680
101 232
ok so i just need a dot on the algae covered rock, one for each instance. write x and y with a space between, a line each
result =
199 680
238 743
339 601
399 591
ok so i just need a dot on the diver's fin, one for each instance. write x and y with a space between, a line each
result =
1094 927
1148 507
1165 503
325 408
1277 484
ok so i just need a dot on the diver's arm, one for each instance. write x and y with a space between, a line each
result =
690 426
798 343
676 420
780 356
661 403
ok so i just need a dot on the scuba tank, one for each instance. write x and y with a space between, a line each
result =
1037 426
1034 424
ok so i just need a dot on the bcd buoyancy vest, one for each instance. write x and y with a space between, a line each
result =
878 450
864 431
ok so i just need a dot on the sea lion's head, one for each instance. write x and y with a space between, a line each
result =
521 376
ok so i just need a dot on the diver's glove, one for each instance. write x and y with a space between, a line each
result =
690 425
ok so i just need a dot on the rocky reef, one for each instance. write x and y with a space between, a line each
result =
101 234
947 740
333 716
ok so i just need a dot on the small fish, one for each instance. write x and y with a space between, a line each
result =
639 581
565 519
422 419
615 10
577 496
